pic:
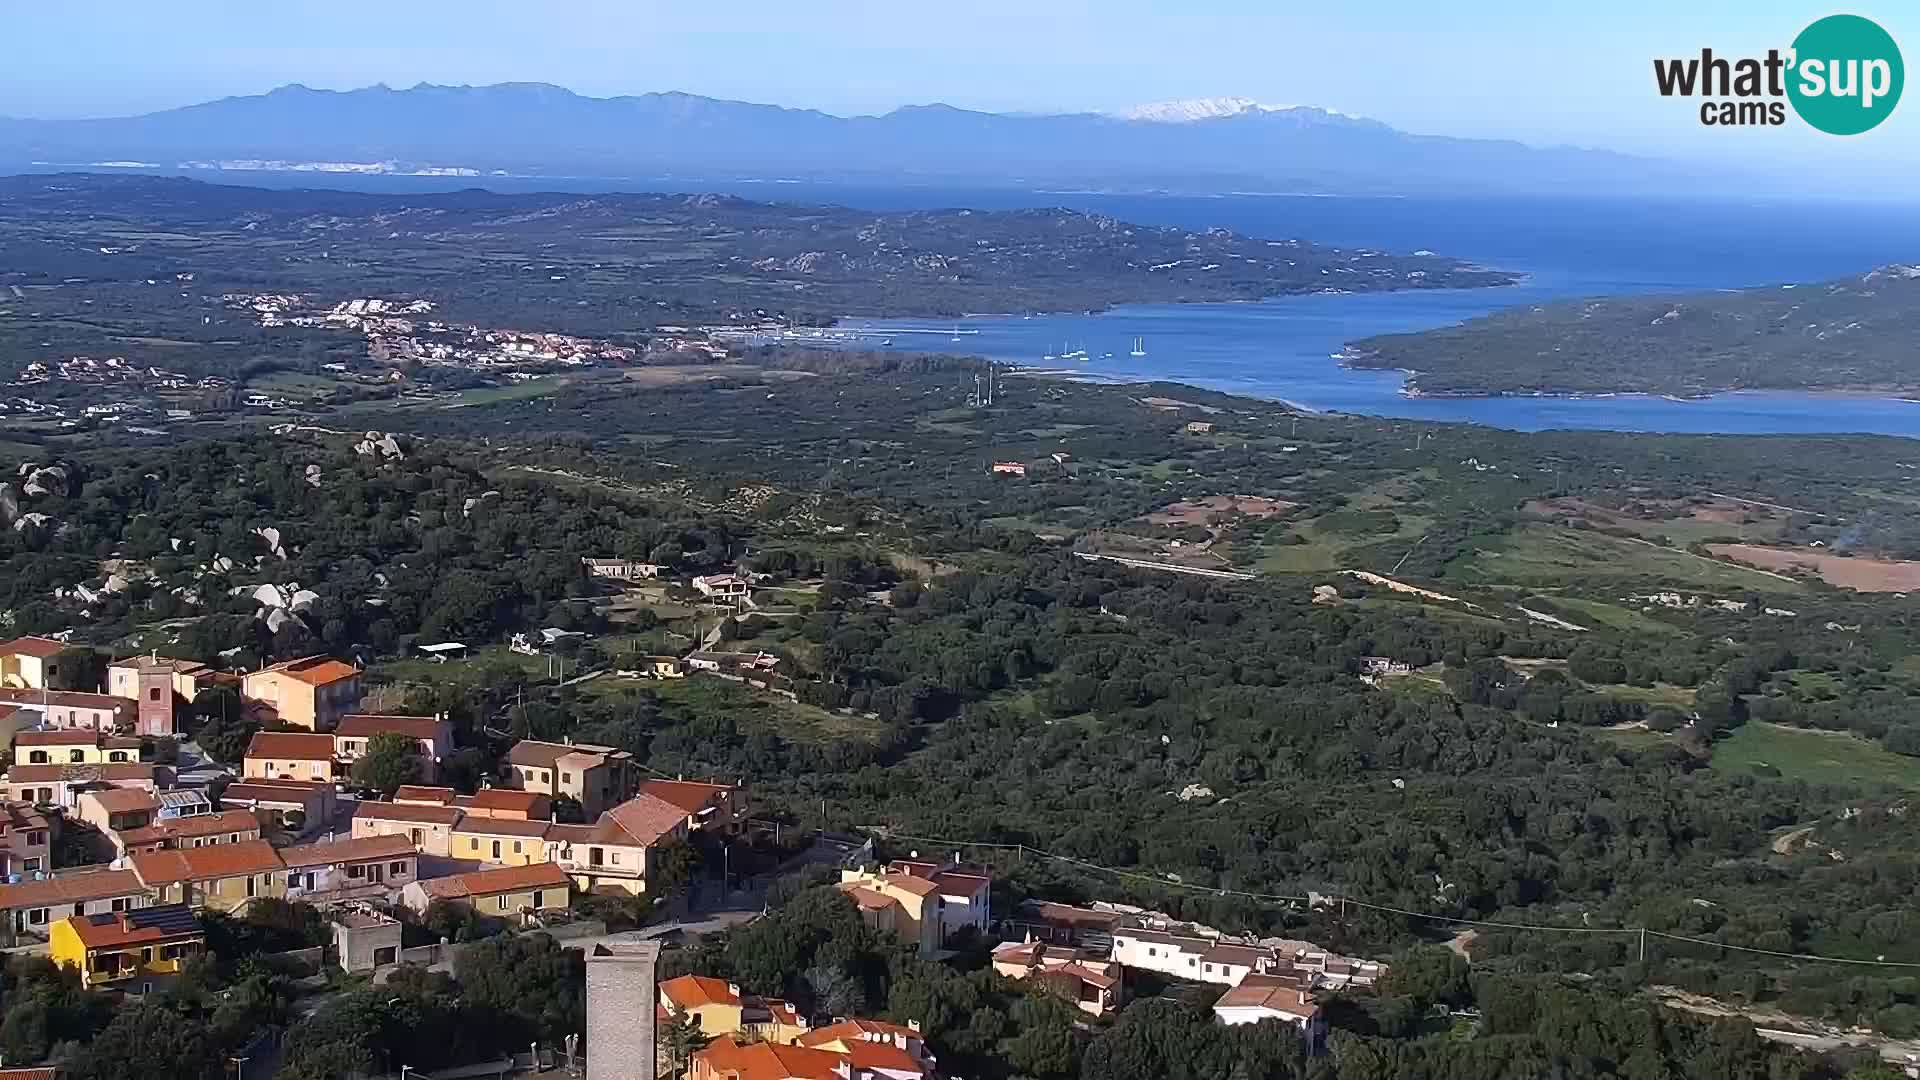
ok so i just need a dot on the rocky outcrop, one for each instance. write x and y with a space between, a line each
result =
44 480
384 447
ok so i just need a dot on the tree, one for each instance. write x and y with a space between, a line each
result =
392 759
670 866
150 1041
531 987
223 729
680 1038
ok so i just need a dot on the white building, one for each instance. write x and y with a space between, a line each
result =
1187 956
1269 997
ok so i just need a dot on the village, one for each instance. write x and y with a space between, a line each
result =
112 855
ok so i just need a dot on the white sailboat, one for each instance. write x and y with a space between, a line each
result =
1139 346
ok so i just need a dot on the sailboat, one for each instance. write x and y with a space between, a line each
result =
1139 346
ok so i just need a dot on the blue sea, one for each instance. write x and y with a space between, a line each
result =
1282 349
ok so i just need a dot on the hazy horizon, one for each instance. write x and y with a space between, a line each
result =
1578 78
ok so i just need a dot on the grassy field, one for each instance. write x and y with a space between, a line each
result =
1815 756
750 708
1595 612
1551 555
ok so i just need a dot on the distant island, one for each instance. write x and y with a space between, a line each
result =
1852 334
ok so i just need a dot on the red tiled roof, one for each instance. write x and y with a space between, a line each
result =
313 670
646 818
124 800
693 991
688 795
1274 992
43 648
66 698
205 863
186 828
545 755
58 737
494 826
124 772
45 1073
423 815
441 796
70 888
367 725
345 851
299 791
499 880
501 799
769 1061
857 1028
290 746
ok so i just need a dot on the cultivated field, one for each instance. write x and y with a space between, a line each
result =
1845 571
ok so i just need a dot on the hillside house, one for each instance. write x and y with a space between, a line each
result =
61 785
1272 997
313 692
199 830
432 738
428 828
1088 980
621 569
289 755
336 871
137 950
616 852
29 909
159 684
715 809
224 877
597 777
519 893
30 662
73 746
73 709
1009 468
25 841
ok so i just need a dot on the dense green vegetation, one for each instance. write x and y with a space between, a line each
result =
1850 334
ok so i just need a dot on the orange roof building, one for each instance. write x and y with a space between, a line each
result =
313 692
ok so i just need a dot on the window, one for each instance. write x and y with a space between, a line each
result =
250 885
566 778
500 902
356 871
1191 961
496 849
37 838
120 904
398 868
38 916
146 955
545 776
153 694
1150 951
537 894
76 756
1208 968
613 857
117 755
39 757
516 847
416 837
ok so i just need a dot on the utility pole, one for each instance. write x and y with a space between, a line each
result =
240 1065
1643 945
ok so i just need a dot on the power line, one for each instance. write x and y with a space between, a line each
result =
1348 901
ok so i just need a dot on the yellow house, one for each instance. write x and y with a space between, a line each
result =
719 1008
30 662
223 877
135 950
313 692
73 746
506 892
617 850
899 904
596 776
500 841
288 755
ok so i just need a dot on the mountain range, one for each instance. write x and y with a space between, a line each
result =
536 129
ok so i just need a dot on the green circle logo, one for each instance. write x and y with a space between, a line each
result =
1847 75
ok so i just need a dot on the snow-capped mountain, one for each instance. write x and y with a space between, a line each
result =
533 129
1210 108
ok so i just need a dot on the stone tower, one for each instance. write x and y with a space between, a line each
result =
621 999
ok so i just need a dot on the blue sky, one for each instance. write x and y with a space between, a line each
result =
1550 71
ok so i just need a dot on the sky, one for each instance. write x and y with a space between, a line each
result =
1547 72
